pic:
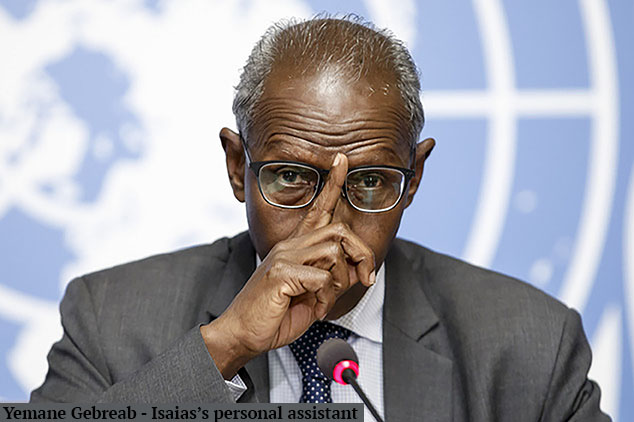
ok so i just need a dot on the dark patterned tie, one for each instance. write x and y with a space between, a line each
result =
315 385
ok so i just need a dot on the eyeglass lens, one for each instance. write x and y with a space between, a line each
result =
288 185
374 189
294 186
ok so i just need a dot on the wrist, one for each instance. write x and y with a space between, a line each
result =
227 352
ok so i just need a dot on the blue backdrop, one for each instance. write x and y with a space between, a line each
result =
109 114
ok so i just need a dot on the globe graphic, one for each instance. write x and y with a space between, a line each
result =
109 116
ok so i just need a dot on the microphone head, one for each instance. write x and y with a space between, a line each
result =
334 356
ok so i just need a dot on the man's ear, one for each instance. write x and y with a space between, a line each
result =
423 149
234 157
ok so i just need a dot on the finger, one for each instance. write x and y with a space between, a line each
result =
356 251
300 279
362 257
326 299
339 271
320 212
328 255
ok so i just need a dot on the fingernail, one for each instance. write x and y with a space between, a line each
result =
323 316
337 160
372 278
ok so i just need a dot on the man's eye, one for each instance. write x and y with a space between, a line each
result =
292 176
371 181
366 180
289 176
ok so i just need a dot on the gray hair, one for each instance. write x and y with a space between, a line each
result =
355 47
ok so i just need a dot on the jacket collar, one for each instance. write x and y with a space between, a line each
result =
240 265
417 372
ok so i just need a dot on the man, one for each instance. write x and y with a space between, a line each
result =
326 160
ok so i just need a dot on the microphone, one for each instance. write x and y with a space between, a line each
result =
338 361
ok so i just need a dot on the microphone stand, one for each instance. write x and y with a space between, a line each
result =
350 377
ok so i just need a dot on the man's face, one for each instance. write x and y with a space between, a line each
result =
310 119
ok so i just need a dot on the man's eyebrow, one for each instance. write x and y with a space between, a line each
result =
283 151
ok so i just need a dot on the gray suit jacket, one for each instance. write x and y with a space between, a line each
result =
460 342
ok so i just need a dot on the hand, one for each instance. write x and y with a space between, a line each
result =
298 282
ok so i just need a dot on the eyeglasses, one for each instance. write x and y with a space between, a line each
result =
292 184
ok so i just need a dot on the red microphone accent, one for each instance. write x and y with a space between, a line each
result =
342 366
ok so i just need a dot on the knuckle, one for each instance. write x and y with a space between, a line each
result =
322 212
341 229
310 216
339 226
367 252
372 257
283 256
278 268
327 278
334 248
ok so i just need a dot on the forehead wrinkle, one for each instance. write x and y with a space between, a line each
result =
295 142
283 139
299 141
288 106
331 133
303 110
271 102
297 108
366 151
306 123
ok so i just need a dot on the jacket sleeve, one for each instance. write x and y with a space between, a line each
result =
78 370
571 395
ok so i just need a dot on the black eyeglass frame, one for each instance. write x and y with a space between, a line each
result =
256 166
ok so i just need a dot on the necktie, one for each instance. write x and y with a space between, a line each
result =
315 385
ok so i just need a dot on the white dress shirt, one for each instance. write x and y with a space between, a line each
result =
365 321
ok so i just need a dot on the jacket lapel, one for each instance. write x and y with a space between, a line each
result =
417 371
240 266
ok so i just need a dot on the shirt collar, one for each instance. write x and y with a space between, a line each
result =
366 318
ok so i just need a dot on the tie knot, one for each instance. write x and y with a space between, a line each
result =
305 347
316 387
